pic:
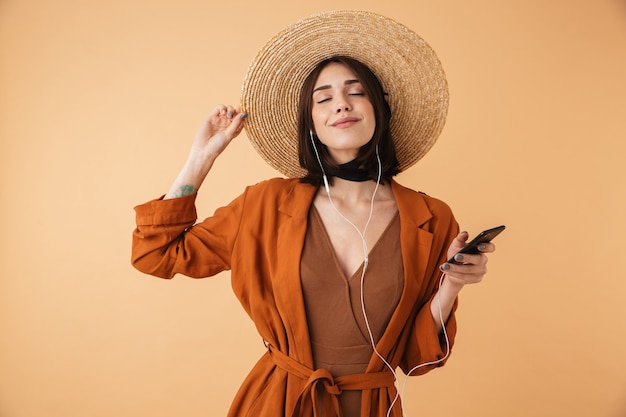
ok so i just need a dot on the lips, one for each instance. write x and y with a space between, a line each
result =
345 122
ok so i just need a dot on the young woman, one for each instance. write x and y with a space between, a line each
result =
342 269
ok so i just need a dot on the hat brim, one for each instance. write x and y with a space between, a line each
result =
407 67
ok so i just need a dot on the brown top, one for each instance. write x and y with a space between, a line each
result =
339 337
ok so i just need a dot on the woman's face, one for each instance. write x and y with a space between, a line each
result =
343 115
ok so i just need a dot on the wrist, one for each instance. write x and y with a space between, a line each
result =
450 288
191 177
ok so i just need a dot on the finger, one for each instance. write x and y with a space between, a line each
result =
473 259
476 262
214 113
457 243
220 110
466 264
467 273
487 247
227 111
461 239
230 111
237 124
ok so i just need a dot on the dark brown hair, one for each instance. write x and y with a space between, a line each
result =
367 153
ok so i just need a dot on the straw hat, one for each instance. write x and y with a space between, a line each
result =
406 66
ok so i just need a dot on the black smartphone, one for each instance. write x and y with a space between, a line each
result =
483 237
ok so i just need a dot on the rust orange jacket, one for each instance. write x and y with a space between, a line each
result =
259 238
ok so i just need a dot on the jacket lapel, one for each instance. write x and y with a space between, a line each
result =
287 286
416 244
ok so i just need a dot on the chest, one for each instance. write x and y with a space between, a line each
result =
353 232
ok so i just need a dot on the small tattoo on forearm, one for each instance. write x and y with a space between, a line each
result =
186 190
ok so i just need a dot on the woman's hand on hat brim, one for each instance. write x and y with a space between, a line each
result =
220 127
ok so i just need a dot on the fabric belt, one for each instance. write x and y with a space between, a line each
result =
320 394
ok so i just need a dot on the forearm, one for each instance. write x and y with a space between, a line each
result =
426 348
191 176
443 302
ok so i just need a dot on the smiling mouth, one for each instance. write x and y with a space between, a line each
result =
346 122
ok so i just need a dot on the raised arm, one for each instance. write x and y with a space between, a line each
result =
221 126
163 242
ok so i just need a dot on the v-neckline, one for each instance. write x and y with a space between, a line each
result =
331 247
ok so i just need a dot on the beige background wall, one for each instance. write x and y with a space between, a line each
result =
100 100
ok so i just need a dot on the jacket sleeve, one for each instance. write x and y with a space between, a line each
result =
166 241
426 348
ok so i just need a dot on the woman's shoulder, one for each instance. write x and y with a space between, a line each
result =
274 186
279 190
420 197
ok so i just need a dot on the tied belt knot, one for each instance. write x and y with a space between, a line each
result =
324 377
319 397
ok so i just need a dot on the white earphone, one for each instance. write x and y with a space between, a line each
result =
399 394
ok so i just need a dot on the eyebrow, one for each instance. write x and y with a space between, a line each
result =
326 87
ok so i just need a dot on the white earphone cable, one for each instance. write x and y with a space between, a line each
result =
399 394
430 363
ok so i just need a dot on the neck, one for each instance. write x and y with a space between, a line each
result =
351 171
352 192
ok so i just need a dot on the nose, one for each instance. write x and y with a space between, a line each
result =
342 102
343 107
